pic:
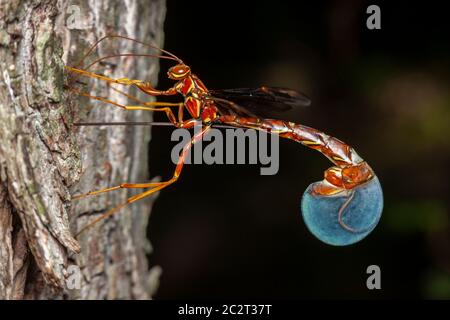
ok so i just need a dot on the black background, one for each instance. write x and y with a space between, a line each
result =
224 231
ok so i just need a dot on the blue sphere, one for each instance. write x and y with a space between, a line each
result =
360 217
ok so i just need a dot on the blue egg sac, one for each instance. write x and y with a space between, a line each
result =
360 217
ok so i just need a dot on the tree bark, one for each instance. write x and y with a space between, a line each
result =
44 158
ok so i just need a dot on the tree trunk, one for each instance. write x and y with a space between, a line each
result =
44 158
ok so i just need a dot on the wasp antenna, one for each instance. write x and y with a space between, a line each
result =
154 46
92 48
100 60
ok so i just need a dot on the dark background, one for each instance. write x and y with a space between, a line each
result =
224 231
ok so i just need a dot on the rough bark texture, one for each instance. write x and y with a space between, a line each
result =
44 158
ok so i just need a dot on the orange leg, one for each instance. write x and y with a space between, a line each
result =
148 106
129 96
180 105
156 186
124 81
142 85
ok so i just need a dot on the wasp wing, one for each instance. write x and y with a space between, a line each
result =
258 101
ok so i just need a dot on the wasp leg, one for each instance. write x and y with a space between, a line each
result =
149 106
156 186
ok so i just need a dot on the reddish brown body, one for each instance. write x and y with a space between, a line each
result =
348 172
350 169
